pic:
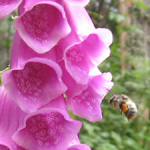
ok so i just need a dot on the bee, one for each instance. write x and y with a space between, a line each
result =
126 105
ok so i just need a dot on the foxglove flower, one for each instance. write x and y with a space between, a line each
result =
21 53
48 128
8 6
56 51
42 23
78 60
78 18
11 117
34 83
79 21
81 58
73 88
87 103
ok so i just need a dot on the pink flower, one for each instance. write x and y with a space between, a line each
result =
56 50
21 53
34 83
87 103
42 23
79 21
78 18
73 87
48 128
11 117
8 6
81 58
79 147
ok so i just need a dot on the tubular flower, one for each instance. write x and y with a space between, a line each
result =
11 117
21 53
80 23
78 18
81 58
39 27
87 103
48 128
33 84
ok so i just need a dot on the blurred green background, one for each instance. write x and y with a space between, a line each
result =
129 21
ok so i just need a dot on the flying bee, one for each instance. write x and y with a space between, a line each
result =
126 105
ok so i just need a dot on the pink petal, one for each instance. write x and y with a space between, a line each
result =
87 103
47 128
75 141
39 27
81 58
11 118
21 52
73 88
79 147
7 7
78 2
6 147
105 35
79 20
104 85
34 84
76 145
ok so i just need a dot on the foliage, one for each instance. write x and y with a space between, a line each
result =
6 32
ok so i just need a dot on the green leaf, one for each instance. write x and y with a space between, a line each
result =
141 4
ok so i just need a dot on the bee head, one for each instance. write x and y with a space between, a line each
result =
113 99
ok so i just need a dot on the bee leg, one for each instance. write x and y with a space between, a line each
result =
121 113
112 104
115 105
